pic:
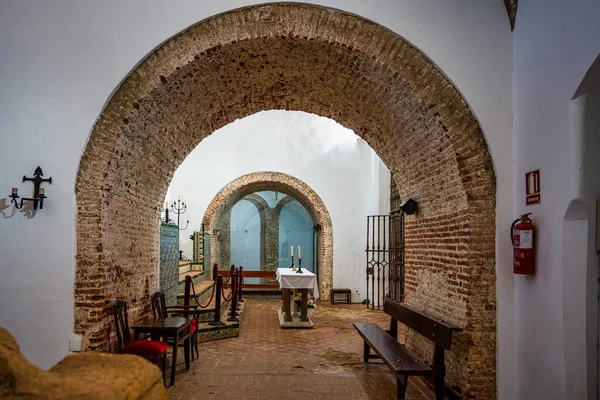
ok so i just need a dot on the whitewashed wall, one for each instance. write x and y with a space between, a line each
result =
555 43
60 62
339 166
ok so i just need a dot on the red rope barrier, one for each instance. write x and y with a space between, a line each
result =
196 297
233 293
230 275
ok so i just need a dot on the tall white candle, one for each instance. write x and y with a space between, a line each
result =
299 254
292 250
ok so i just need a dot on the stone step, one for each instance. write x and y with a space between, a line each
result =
206 331
204 291
229 329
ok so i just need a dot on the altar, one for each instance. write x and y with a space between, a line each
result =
291 280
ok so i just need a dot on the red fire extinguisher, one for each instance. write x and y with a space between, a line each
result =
521 233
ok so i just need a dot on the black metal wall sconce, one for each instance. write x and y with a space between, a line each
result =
409 207
39 194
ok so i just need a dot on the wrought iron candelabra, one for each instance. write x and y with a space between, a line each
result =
39 193
177 207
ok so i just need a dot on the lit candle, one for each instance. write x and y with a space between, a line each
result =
299 254
292 250
14 191
42 191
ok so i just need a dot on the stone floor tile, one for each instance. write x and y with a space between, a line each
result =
268 362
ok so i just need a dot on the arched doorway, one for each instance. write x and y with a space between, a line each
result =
240 188
581 242
313 59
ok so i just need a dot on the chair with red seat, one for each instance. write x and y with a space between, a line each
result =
153 350
160 310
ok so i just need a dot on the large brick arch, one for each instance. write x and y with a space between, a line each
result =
245 185
313 59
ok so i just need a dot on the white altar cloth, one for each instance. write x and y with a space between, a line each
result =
289 279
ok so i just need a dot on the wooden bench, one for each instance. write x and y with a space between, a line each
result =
347 292
395 355
256 288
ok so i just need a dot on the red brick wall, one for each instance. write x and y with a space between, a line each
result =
293 57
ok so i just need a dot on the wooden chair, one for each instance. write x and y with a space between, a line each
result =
153 350
160 310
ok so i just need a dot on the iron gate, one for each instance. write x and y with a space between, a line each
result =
385 258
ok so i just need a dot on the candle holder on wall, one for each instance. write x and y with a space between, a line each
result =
39 193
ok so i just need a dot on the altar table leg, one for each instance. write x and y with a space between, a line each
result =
285 293
304 310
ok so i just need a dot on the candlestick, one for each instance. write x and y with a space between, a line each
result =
299 271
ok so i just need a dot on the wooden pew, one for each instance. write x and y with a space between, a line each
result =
395 355
256 288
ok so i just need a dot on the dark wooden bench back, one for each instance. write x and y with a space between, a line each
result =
436 330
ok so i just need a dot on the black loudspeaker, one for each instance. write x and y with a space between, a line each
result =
409 207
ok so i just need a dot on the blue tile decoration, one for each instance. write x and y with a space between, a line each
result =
169 260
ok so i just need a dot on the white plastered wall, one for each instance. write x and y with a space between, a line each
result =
555 43
62 60
340 167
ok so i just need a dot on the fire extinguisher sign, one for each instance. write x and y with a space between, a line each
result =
532 187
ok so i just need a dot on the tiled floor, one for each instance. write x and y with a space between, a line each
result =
267 362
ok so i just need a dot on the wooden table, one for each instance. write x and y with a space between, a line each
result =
176 328
289 280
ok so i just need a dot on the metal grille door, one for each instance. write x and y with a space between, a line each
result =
396 277
378 258
385 259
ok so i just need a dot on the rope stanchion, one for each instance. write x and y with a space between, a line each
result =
240 284
234 283
230 273
215 271
234 289
217 321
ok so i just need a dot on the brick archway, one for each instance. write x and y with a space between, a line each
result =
220 230
240 188
308 58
